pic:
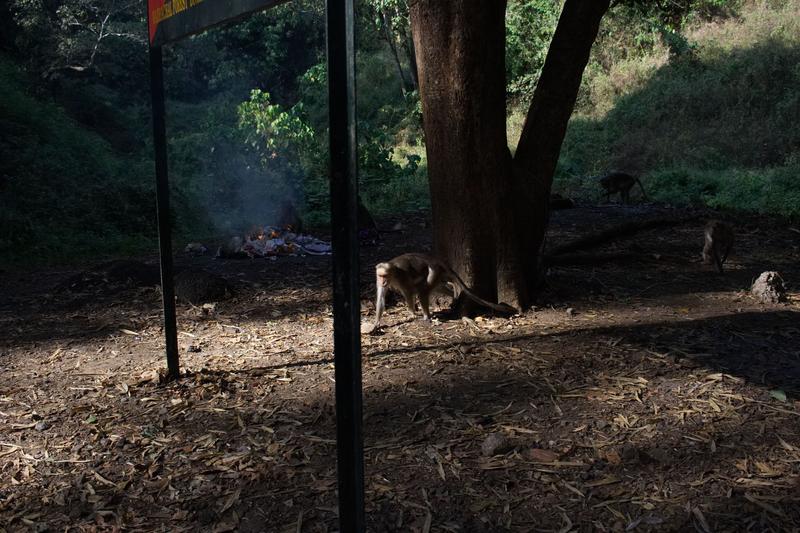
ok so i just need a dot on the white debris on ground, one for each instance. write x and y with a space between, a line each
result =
268 242
277 242
195 248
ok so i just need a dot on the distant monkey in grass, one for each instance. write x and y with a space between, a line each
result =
718 243
419 275
622 183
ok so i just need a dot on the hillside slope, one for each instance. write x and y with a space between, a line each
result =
713 123
61 184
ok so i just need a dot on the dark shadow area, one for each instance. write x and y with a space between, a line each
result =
763 348
663 263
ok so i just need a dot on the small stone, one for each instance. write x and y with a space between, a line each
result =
494 444
41 426
152 376
769 288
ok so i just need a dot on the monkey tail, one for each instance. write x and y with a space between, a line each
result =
718 261
502 308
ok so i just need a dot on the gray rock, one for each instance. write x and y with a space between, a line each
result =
494 444
769 288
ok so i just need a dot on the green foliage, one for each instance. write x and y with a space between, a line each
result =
60 39
283 137
385 28
705 114
270 129
529 28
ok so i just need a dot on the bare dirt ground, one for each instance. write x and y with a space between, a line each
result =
666 399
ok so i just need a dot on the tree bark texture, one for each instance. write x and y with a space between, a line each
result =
490 211
546 124
460 48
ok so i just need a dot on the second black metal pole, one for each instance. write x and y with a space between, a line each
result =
346 301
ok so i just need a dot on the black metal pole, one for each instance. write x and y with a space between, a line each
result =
346 302
162 203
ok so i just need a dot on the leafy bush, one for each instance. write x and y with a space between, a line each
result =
529 27
283 137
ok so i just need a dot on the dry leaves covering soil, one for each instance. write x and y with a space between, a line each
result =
665 399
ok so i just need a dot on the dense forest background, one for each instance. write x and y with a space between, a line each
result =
699 98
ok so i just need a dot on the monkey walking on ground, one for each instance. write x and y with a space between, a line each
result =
718 243
419 275
622 183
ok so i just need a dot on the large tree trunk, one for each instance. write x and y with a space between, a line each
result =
490 212
546 124
460 48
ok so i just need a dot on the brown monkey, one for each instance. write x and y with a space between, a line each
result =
718 243
622 183
419 275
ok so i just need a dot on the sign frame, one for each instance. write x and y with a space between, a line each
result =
344 214
172 20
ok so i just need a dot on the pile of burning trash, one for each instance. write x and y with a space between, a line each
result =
285 238
267 241
271 241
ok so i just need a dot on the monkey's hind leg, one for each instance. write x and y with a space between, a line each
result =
644 194
718 261
424 302
409 298
727 251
